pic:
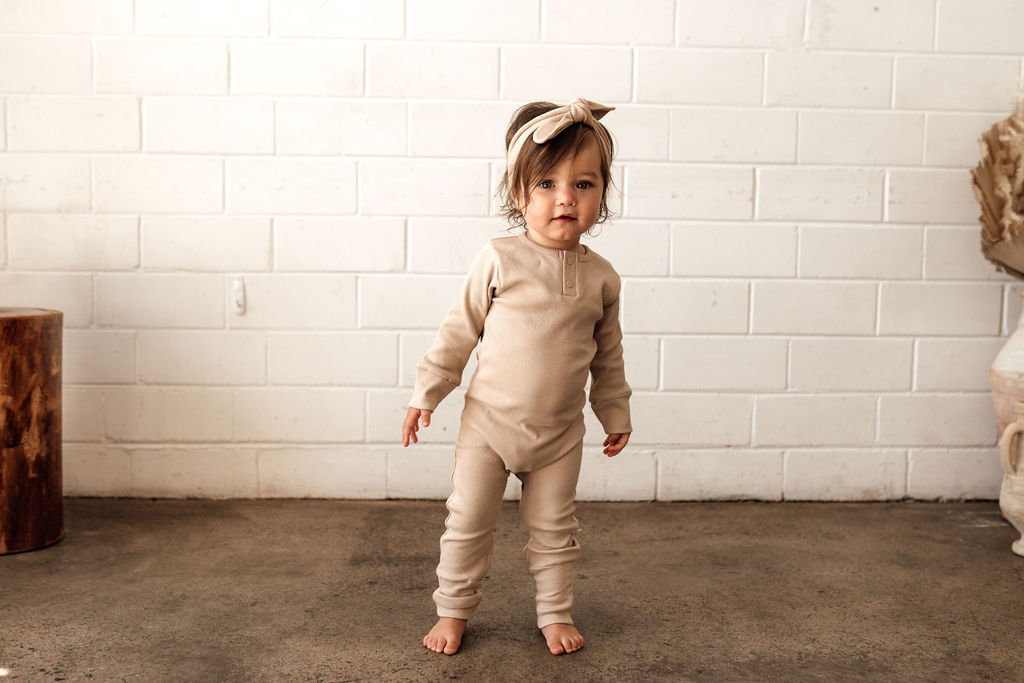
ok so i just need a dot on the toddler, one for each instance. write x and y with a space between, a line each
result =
544 310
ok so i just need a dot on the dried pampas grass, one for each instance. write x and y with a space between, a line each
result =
998 184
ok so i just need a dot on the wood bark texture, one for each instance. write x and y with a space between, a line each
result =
31 488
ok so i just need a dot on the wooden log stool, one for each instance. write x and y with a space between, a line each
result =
31 488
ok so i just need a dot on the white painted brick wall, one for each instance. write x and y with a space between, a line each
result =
724 364
640 133
943 83
321 244
158 184
99 357
83 414
733 474
201 472
304 302
296 67
864 364
650 24
898 25
807 307
66 16
842 474
222 125
47 65
191 358
344 472
664 191
39 241
299 415
819 79
733 135
476 20
289 186
430 187
836 194
45 183
821 420
968 26
858 252
305 18
72 294
206 243
74 124
734 250
807 313
160 66
952 139
138 301
740 23
699 77
416 70
197 17
346 127
967 420
148 414
289 356
539 73
868 138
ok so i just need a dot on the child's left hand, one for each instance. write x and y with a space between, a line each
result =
614 443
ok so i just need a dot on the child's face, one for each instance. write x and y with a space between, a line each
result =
565 203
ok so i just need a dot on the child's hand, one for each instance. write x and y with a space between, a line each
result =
614 443
411 425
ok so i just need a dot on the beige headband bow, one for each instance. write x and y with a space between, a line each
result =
549 124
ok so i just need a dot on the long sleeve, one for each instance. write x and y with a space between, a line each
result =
609 392
439 372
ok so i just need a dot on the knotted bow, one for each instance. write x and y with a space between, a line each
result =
549 124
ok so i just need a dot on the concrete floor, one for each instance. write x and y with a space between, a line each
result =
339 591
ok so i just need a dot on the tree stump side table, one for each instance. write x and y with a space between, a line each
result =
31 488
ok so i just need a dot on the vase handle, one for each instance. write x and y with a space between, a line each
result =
1012 430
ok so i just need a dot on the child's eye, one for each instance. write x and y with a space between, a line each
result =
546 184
583 184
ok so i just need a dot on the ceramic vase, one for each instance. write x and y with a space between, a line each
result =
1011 495
1007 377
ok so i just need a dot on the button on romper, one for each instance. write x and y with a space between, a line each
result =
545 320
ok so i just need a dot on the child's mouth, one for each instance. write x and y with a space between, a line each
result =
565 219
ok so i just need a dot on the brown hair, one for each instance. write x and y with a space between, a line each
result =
535 160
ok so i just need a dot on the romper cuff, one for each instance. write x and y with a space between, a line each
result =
614 415
430 390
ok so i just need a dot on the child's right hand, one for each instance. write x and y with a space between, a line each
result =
411 425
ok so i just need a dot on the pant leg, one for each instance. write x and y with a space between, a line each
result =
467 544
547 508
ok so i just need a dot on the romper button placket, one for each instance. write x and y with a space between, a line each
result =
568 283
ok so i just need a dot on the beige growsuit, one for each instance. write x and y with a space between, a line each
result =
545 319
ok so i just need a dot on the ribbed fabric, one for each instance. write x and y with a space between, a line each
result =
547 509
545 319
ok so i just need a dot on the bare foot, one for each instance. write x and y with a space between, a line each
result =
562 638
446 636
